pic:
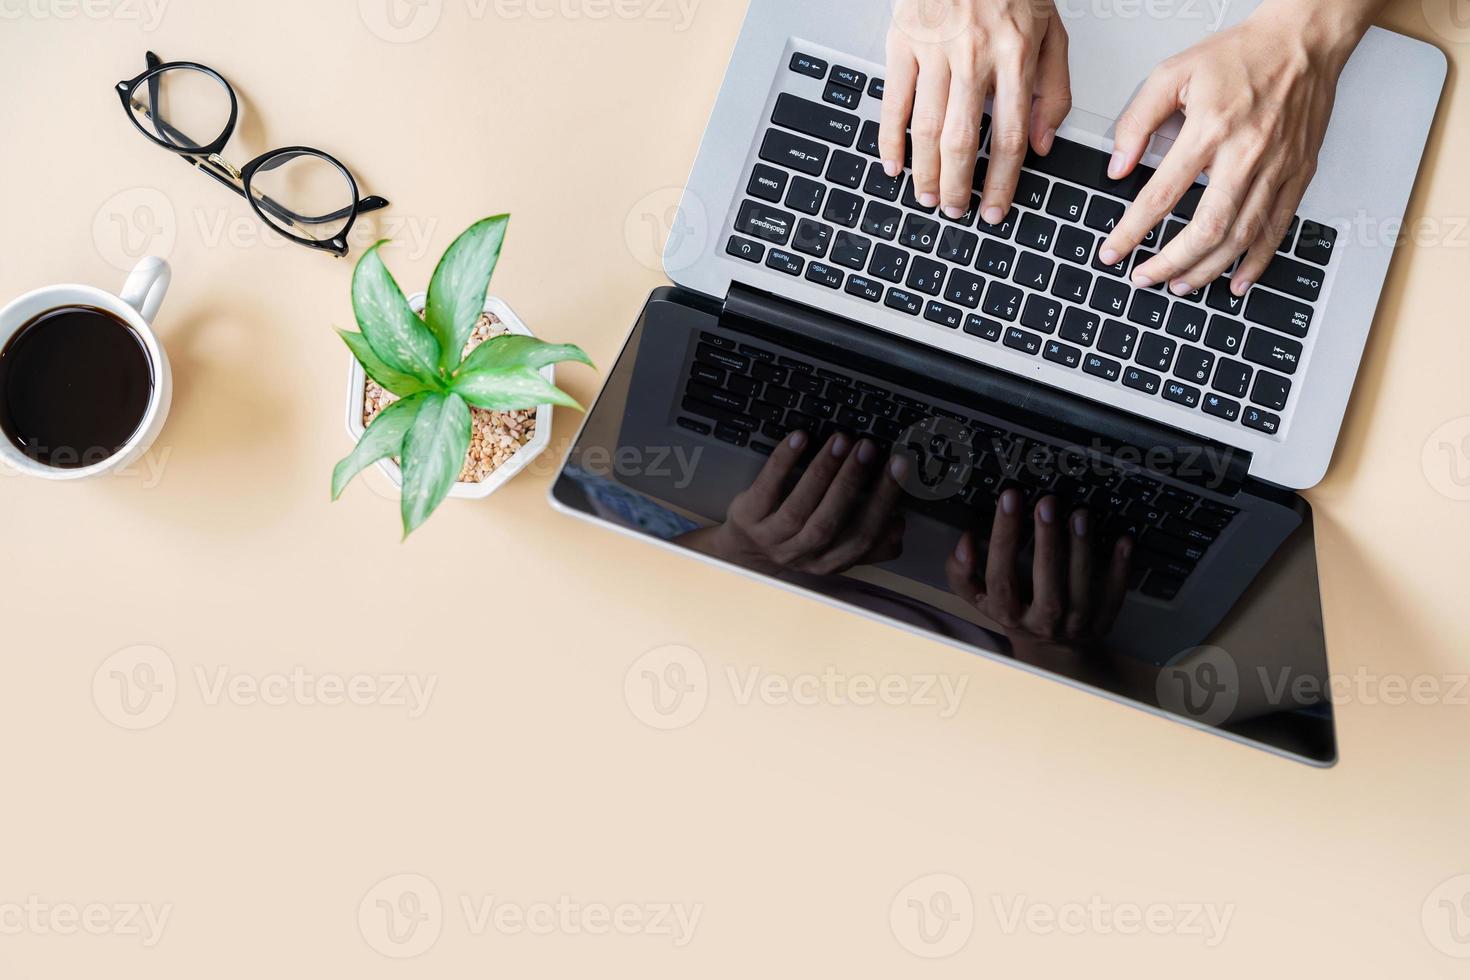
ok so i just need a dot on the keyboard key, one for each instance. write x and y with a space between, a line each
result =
1273 351
1005 229
1156 351
904 301
1221 298
693 426
1109 296
733 434
1119 339
1221 407
1187 322
812 237
843 209
1286 242
1317 242
1141 380
879 184
968 218
815 119
1171 231
1225 335
1074 244
1119 268
1033 271
1278 313
1063 354
863 288
783 261
847 169
851 250
1102 367
1183 394
728 360
849 77
1067 203
794 152
1148 309
841 95
825 275
1261 421
1079 326
1103 214
1023 340
982 327
875 88
945 316
919 234
744 248
882 221
1002 300
1293 278
1194 364
996 259
911 197
1271 390
889 263
805 64
957 245
926 275
1041 313
1031 190
1072 283
707 374
1036 232
867 143
965 288
766 223
1232 378
1189 202
767 183
1083 165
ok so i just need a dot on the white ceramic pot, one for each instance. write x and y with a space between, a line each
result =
357 392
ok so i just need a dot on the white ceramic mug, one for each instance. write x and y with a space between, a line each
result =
141 297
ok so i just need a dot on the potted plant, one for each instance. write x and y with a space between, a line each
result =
444 386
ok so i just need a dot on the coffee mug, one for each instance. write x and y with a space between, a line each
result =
135 307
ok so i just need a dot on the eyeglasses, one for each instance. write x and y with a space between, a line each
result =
304 194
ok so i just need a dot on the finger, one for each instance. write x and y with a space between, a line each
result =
1182 164
876 518
833 526
1044 618
1053 87
1002 596
931 100
1115 588
1079 575
789 518
1207 231
1012 111
959 146
1288 198
1156 100
770 486
960 571
898 106
1247 227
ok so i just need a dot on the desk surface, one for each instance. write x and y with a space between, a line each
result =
270 815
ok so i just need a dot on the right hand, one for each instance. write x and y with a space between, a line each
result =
944 58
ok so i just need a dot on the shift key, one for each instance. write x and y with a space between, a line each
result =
815 119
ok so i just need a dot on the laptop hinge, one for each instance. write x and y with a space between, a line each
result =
1173 452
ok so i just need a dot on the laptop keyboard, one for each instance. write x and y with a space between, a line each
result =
819 207
753 397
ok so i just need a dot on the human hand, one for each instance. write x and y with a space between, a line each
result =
944 58
1257 99
1069 599
840 513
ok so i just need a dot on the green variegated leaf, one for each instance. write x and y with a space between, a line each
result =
400 339
402 385
433 456
457 291
384 438
509 389
511 350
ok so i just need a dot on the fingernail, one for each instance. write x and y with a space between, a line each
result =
954 213
1241 286
929 200
962 550
1046 139
1048 510
993 215
1079 524
797 441
1127 545
1109 256
898 468
1181 288
1009 501
840 445
1139 279
892 168
867 452
1115 165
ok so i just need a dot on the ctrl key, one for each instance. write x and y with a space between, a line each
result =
744 248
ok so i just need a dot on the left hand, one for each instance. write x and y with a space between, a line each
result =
1257 99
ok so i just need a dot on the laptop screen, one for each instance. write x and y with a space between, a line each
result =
905 488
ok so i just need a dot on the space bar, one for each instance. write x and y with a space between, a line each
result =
1078 164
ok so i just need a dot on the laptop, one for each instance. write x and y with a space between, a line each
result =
982 365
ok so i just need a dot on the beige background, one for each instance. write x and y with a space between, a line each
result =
264 829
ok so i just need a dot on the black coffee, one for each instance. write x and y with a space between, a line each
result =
74 386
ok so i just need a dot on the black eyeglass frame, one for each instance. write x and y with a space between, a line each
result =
207 158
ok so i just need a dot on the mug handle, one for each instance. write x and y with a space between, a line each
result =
146 286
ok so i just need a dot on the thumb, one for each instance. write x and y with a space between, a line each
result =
1155 102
